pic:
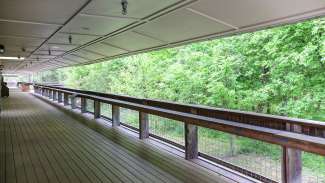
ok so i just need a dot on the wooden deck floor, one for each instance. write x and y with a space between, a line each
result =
40 143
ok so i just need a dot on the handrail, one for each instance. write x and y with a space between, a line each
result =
226 114
280 137
294 135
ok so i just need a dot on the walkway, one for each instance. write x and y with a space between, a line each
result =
40 143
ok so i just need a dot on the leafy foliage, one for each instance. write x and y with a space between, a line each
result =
276 71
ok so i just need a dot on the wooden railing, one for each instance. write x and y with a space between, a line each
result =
293 135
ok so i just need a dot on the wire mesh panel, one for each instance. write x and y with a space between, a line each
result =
129 117
258 157
168 129
89 105
313 168
106 110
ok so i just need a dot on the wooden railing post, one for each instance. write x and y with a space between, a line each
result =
83 105
143 125
96 109
50 94
291 160
55 97
73 102
65 99
59 97
191 140
115 115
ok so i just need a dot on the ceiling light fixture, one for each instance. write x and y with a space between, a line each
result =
70 39
124 4
2 49
12 58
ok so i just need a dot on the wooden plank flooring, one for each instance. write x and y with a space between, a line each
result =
40 143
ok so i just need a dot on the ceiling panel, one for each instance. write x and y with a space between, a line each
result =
250 12
28 30
133 41
181 25
20 41
46 57
104 49
58 47
136 8
64 61
76 39
94 25
75 58
55 62
9 53
46 52
89 55
51 11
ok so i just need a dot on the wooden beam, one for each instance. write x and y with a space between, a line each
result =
73 102
291 162
83 105
65 99
59 97
143 125
96 109
305 142
50 94
191 141
55 97
115 116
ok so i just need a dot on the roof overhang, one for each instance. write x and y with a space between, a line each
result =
53 34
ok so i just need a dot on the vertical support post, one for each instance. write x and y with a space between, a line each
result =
73 102
59 97
115 115
143 125
55 97
42 91
191 140
83 105
96 109
50 94
291 162
65 99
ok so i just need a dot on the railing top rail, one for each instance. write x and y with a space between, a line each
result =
226 114
283 138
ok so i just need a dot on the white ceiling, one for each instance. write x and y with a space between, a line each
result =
99 31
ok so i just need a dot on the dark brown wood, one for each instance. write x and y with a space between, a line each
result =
292 162
115 116
271 121
55 97
143 125
50 94
65 99
281 137
73 102
59 97
83 105
96 109
191 141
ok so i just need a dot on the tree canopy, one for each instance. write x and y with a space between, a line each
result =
276 71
